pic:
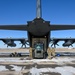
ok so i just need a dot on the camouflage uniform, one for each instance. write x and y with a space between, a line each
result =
51 52
30 51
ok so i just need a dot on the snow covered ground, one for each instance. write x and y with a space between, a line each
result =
57 60
34 70
65 70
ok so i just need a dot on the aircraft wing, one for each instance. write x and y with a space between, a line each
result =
62 39
15 39
14 27
10 41
61 27
67 41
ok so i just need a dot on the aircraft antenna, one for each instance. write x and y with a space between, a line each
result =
38 10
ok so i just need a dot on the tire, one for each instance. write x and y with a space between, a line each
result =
33 54
45 55
19 54
11 55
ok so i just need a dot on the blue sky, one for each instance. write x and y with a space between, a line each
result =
21 11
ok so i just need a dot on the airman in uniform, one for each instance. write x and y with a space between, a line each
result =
51 52
30 51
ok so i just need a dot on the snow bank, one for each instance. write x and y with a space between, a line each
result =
16 68
57 60
67 70
3 68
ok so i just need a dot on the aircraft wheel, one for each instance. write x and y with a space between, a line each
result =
11 55
33 54
19 54
16 55
45 55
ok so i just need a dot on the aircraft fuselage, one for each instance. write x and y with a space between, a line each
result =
39 33
38 27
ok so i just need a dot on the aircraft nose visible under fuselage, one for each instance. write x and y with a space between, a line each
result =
38 27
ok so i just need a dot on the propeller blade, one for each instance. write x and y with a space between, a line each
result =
7 46
51 45
57 44
25 45
72 45
22 46
4 44
54 46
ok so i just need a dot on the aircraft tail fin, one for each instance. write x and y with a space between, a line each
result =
39 9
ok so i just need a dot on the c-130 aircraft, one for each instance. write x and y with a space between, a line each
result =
38 31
